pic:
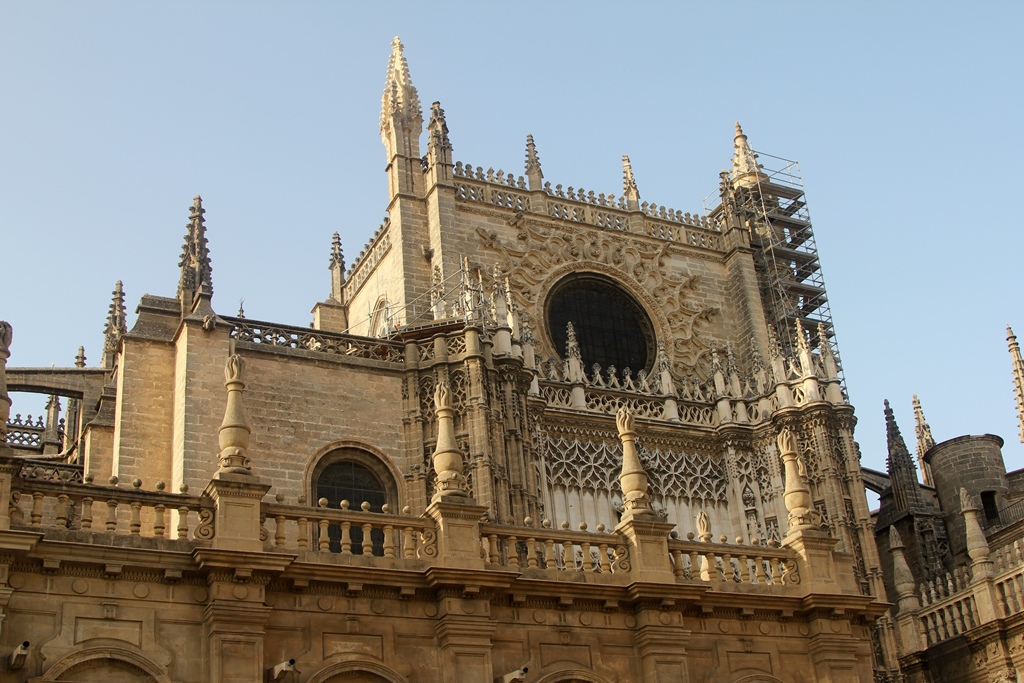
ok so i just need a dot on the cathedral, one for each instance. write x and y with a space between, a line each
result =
534 433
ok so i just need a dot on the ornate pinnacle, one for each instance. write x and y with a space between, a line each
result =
117 325
921 430
633 479
80 357
798 494
196 270
533 172
438 128
337 255
745 169
447 458
801 337
824 345
572 347
234 430
629 189
902 472
1018 377
400 102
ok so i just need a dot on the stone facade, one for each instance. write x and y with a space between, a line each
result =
700 518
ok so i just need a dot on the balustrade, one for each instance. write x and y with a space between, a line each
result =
555 550
722 562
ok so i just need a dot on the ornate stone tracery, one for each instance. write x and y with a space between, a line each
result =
540 258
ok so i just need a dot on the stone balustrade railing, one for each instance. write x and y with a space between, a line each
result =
317 341
948 606
739 563
41 505
554 550
344 531
25 433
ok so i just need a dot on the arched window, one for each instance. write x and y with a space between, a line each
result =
358 477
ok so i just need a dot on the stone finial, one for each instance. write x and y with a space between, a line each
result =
703 527
80 357
116 326
967 502
664 367
629 189
447 458
533 173
6 335
400 103
801 338
774 349
745 169
902 472
1018 377
894 539
633 479
798 494
234 430
196 278
924 440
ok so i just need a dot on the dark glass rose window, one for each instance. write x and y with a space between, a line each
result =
611 326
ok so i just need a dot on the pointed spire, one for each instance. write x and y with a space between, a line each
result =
924 440
533 173
801 337
629 189
745 169
902 473
1018 377
116 327
400 102
196 277
80 357
438 128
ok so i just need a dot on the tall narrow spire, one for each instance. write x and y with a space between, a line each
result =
1018 377
902 473
116 327
745 169
533 173
400 101
629 188
6 335
196 278
924 440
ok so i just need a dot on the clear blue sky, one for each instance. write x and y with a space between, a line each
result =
904 117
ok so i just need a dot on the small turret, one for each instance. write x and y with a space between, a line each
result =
195 284
533 173
924 440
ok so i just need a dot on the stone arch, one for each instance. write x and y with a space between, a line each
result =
374 459
109 664
380 318
572 676
759 678
356 671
